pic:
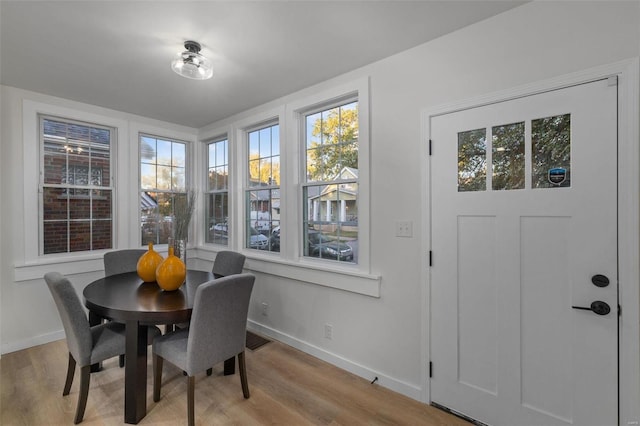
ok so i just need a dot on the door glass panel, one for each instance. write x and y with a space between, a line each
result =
472 160
551 151
508 156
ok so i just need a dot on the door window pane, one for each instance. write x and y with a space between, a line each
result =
551 150
472 160
508 156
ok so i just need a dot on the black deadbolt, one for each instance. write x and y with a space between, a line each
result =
600 280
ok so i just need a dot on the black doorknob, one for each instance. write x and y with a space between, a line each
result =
598 307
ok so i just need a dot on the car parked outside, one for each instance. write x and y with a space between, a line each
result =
323 247
257 240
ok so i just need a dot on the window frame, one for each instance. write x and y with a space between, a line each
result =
42 185
248 188
188 179
355 278
30 264
355 91
306 183
207 192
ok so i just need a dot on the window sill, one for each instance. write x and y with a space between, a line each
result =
340 277
65 264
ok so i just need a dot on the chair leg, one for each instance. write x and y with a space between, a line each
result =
157 377
191 384
85 377
71 369
243 375
121 360
209 371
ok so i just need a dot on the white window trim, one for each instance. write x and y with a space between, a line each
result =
204 193
173 137
32 265
130 234
201 175
241 129
296 112
289 263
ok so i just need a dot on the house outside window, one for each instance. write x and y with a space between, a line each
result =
76 195
330 188
217 192
163 175
262 196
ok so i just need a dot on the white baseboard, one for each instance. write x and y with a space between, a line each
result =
391 383
32 341
409 390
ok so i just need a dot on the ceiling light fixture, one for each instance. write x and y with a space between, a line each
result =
191 63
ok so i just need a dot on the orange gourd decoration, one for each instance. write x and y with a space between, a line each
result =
148 263
171 272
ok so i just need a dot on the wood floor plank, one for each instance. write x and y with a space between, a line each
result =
288 387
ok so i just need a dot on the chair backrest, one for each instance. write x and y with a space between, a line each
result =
74 319
228 263
219 321
121 261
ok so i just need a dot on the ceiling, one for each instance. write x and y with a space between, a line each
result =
117 54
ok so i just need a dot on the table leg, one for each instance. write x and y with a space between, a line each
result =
135 373
95 320
230 366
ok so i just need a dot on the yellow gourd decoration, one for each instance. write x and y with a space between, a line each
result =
147 265
171 272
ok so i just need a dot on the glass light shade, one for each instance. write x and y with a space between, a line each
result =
192 65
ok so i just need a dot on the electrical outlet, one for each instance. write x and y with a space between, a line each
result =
404 229
328 331
265 309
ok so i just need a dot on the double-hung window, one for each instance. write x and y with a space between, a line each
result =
262 194
77 192
217 191
163 177
330 184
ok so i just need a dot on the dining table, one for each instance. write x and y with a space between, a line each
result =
127 299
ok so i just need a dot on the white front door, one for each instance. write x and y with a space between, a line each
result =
524 233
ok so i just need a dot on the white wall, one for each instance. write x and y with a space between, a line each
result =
28 316
382 337
372 337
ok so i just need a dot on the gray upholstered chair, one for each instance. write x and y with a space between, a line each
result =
121 261
217 332
87 345
228 263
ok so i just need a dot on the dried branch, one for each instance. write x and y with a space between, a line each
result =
182 213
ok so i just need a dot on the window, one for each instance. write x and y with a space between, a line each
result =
77 197
262 196
217 190
163 172
550 155
330 188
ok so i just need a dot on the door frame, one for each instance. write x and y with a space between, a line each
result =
628 73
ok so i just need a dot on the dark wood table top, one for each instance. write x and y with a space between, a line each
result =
125 297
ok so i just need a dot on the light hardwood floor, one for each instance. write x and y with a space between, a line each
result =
288 387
